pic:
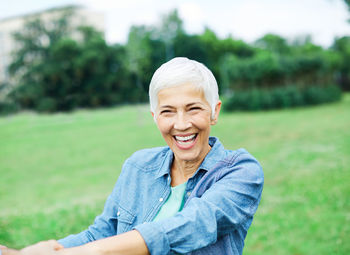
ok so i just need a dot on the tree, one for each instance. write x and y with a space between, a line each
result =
57 73
190 46
145 53
273 43
171 27
348 3
30 64
342 47
138 50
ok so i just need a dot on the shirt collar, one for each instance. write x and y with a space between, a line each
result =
166 165
213 156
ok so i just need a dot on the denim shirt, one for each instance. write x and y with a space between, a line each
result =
221 199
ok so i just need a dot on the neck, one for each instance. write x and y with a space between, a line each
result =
182 170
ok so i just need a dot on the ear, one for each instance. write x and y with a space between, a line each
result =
217 111
154 117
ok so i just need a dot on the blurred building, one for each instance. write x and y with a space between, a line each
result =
81 16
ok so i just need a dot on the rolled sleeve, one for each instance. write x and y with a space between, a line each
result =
155 237
75 240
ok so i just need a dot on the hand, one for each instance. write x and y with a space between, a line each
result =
7 251
42 248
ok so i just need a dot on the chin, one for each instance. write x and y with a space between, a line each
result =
186 156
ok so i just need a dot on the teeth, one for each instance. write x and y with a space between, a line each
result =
184 138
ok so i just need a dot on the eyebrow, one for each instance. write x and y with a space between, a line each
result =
188 105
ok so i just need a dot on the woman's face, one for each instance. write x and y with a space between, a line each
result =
183 117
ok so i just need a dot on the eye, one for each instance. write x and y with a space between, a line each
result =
165 111
195 108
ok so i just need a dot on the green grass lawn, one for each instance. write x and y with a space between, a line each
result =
57 170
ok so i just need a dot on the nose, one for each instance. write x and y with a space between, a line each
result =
182 122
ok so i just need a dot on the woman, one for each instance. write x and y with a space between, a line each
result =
191 197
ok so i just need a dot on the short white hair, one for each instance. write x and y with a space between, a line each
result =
179 71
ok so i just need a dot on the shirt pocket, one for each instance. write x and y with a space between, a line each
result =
125 220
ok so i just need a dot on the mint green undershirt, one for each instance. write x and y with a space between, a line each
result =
173 204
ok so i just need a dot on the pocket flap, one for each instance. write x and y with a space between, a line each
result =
124 215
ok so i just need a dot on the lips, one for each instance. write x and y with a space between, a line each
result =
185 142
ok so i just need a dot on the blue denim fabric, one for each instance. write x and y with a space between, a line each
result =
221 199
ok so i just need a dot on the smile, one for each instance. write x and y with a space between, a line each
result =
185 142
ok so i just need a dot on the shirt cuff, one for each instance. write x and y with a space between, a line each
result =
155 238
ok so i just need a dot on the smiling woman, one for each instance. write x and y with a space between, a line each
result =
190 197
184 118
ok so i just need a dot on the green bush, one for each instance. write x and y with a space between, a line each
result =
8 107
267 69
314 95
46 105
281 97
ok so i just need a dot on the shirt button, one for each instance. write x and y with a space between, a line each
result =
118 213
188 194
168 178
161 199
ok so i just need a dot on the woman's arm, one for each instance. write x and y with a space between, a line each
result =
129 243
9 252
42 248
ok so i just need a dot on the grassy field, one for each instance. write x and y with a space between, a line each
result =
57 170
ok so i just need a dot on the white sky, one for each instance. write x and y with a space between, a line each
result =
243 19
